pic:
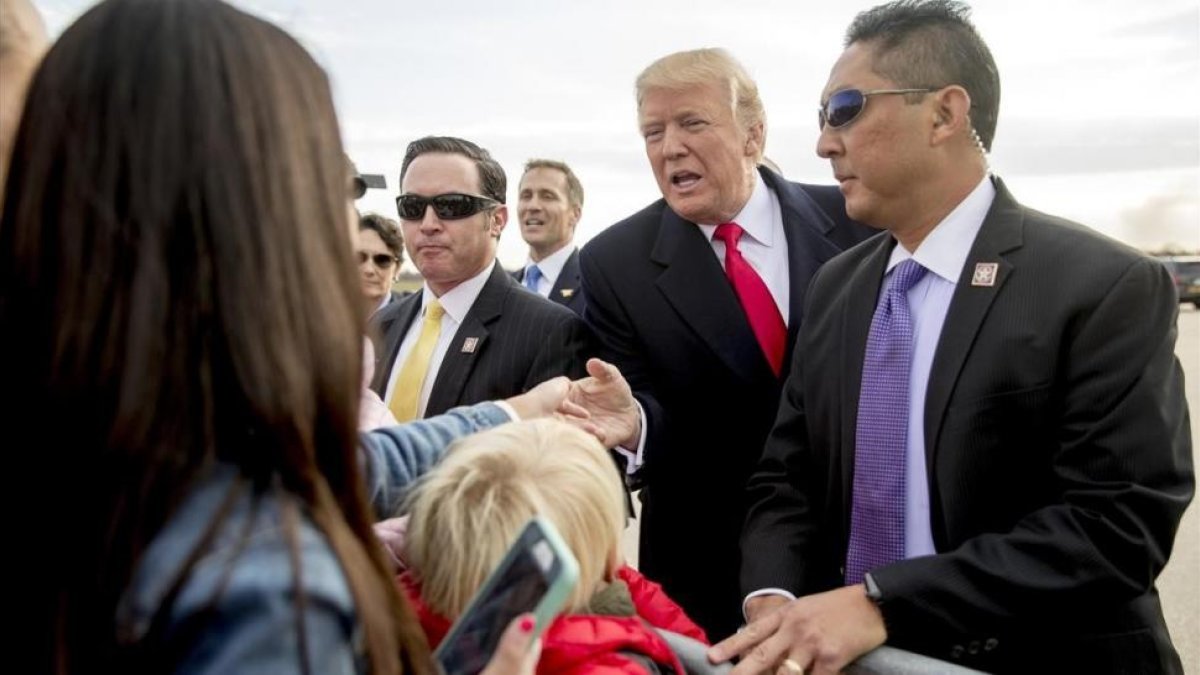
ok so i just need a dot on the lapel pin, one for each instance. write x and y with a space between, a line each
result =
566 292
985 274
469 345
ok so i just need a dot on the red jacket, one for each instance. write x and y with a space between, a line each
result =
590 644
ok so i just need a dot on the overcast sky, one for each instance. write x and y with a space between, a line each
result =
1099 116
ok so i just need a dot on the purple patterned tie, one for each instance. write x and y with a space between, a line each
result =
877 509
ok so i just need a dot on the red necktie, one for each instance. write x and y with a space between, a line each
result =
765 319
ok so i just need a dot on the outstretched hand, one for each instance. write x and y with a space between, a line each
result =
546 399
613 414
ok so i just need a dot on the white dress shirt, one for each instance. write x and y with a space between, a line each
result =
457 302
764 246
943 252
551 267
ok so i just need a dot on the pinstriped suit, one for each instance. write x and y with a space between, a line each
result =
1058 454
522 339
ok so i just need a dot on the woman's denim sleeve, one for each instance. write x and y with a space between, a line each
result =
394 457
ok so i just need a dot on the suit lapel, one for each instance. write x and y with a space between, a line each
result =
468 343
568 281
862 294
806 228
392 326
695 285
999 234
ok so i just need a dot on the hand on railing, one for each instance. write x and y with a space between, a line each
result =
820 633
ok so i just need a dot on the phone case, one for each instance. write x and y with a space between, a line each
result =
541 541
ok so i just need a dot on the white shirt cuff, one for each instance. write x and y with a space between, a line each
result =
765 591
635 457
508 410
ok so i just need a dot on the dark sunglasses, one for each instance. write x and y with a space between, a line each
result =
381 260
450 206
844 106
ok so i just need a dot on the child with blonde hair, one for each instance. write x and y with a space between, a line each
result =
467 512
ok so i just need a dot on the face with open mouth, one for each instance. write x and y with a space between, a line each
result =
703 158
545 211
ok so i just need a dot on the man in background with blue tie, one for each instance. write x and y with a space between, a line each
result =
549 205
982 451
471 334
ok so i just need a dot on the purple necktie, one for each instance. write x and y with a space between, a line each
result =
877 509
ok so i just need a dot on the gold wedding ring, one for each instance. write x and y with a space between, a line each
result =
793 667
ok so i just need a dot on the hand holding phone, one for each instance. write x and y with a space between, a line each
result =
536 575
518 651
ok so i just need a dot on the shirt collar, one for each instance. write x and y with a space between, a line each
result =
944 251
383 302
551 266
458 300
755 217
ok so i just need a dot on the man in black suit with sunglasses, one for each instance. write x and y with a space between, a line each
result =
982 451
471 334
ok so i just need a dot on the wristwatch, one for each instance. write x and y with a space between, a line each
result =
873 593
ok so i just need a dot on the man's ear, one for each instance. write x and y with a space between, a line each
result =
755 137
576 214
498 220
951 114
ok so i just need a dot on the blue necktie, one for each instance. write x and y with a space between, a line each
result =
877 509
532 276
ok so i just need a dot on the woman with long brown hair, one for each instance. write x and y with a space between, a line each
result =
176 280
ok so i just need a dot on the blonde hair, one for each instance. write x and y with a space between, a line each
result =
467 511
682 70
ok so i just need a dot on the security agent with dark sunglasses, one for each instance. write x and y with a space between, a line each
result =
471 333
982 453
451 206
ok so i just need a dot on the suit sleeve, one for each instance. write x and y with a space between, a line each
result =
780 494
1124 466
618 344
564 351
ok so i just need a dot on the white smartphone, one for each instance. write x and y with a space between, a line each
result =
536 575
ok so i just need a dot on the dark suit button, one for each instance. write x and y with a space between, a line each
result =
957 652
991 644
973 648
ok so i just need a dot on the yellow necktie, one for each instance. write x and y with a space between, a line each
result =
406 397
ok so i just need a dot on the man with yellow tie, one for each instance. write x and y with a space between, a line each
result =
471 334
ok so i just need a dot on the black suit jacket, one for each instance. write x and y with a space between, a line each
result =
520 340
568 287
666 314
1057 448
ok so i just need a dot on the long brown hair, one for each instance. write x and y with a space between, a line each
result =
177 284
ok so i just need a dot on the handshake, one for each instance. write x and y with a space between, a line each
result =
601 404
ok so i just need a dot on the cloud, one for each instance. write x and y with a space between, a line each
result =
1087 146
1168 219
